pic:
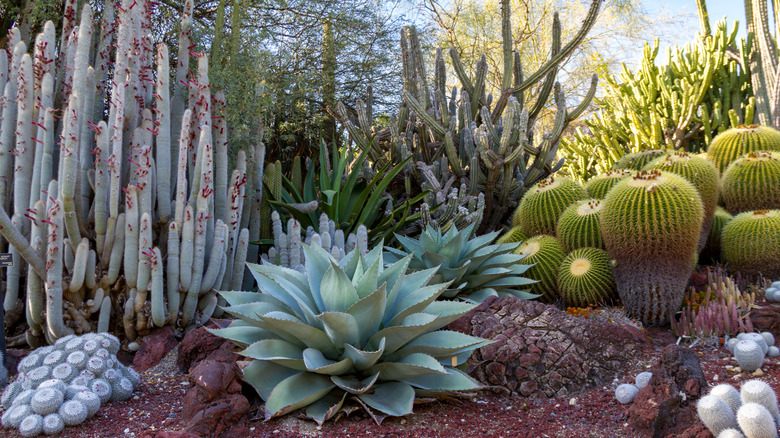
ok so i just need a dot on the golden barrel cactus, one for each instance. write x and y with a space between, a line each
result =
585 278
750 243
543 204
545 254
752 182
736 142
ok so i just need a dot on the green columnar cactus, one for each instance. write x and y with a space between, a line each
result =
600 185
578 226
750 243
736 142
752 182
488 145
545 254
681 102
543 204
763 61
700 172
585 278
651 225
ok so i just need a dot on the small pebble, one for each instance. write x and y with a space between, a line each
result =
758 373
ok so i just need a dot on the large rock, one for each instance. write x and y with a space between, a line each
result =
540 351
197 345
666 406
154 347
767 319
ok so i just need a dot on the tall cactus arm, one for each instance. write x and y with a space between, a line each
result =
704 17
15 238
163 127
579 109
506 36
69 176
25 150
54 323
220 154
158 301
765 42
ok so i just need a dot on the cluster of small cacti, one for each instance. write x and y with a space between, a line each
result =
145 195
772 293
65 384
750 349
287 250
626 392
751 412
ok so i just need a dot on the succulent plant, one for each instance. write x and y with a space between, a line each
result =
772 293
32 425
544 254
638 160
601 184
700 172
585 278
642 379
52 424
716 414
758 391
756 421
625 393
736 142
752 182
515 234
728 394
475 268
651 224
749 355
578 226
544 203
348 332
750 243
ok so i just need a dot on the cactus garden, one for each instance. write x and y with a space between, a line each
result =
238 219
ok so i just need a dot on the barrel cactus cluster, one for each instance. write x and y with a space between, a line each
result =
65 384
750 412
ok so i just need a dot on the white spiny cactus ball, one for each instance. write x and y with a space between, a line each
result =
625 393
772 293
749 355
55 385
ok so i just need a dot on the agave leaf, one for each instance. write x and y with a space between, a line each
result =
391 398
407 284
393 273
268 285
367 282
317 263
453 248
354 386
431 259
411 327
337 290
299 333
243 335
409 244
251 312
456 380
234 298
357 273
368 313
454 273
508 260
441 344
315 362
413 365
416 301
277 351
392 255
290 275
508 281
521 294
325 408
264 376
480 295
295 392
342 328
364 359
447 312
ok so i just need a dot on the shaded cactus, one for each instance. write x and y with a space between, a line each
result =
585 278
545 254
544 203
600 185
750 243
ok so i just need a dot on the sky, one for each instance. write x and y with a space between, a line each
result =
717 9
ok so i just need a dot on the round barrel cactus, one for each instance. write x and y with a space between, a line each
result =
750 243
515 234
719 220
585 278
600 185
752 182
578 226
638 160
733 143
651 225
700 172
543 204
545 253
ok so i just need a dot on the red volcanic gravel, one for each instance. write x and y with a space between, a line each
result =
593 413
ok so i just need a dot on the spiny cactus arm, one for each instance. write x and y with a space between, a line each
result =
35 283
128 317
181 169
25 150
55 325
506 36
3 69
191 300
704 18
143 254
577 112
460 71
115 159
172 274
17 240
187 248
104 318
13 274
215 259
102 186
158 301
240 260
587 24
79 266
131 237
117 250
163 138
549 80
220 155
765 42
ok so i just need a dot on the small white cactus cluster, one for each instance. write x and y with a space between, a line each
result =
626 392
64 384
772 293
750 349
288 251
751 412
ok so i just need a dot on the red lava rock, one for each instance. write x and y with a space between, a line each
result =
767 319
166 434
219 416
197 345
659 408
540 351
154 347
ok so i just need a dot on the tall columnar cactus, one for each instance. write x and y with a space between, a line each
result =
122 194
486 144
651 225
764 64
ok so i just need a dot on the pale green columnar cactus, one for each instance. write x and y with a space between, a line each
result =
488 145
83 219
322 341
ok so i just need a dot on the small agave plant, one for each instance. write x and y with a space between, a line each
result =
475 268
348 333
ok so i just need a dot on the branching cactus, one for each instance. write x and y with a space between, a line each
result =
134 221
466 137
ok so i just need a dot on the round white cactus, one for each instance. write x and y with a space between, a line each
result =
730 433
715 414
46 401
731 344
73 412
757 391
728 394
14 416
642 379
53 424
756 422
31 425
90 400
749 355
758 339
769 338
625 393
102 389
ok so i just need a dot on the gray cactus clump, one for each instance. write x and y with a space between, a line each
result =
750 349
140 198
752 412
51 403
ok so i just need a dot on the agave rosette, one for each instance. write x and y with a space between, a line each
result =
354 332
475 268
